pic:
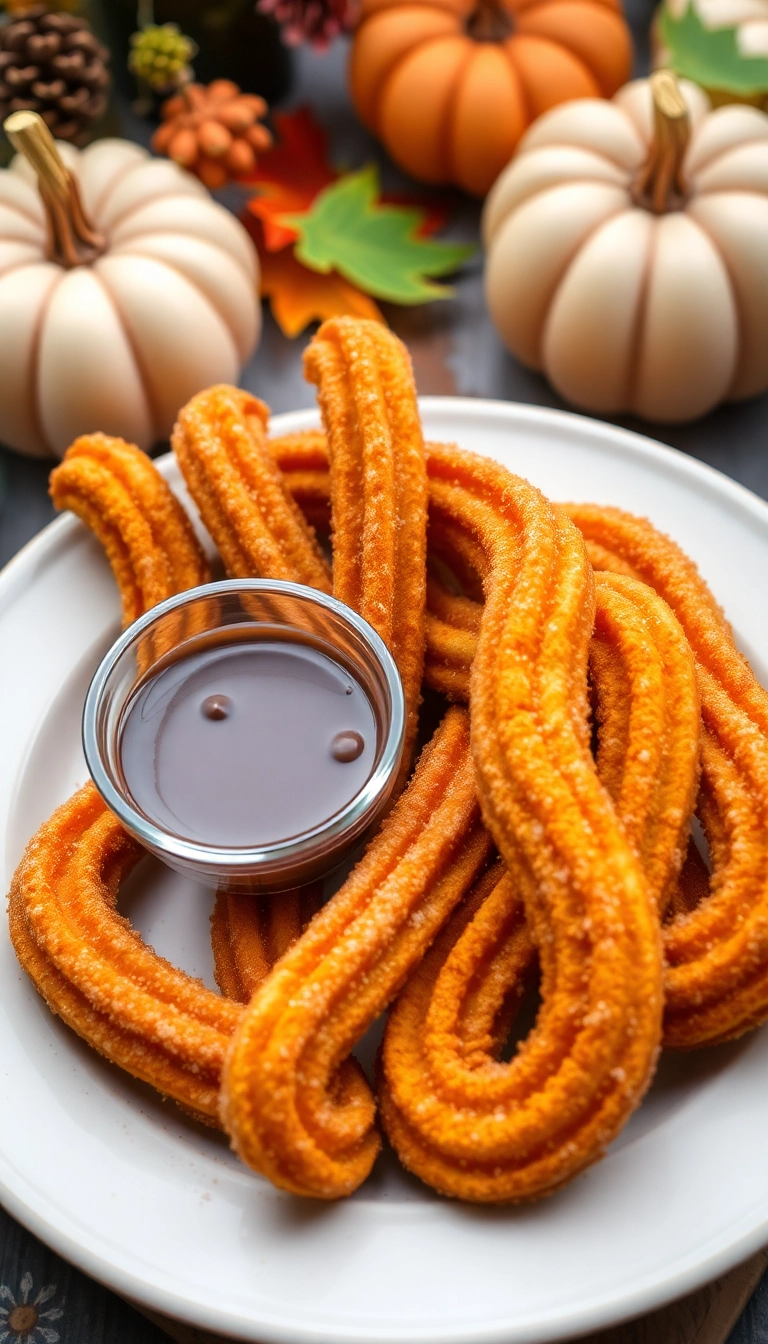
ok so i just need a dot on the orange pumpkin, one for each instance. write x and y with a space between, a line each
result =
449 86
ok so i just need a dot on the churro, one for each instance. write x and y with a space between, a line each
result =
95 970
295 1104
716 978
303 462
378 489
120 495
249 934
442 1090
591 1055
220 444
450 617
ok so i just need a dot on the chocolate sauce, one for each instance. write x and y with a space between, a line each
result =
217 707
243 745
347 746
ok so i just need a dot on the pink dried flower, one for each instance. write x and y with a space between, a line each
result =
315 21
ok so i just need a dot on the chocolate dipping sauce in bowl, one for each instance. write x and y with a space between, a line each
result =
248 733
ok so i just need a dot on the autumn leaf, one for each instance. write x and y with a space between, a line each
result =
290 179
711 56
375 246
298 296
290 175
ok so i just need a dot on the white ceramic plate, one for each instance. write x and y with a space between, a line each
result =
158 1209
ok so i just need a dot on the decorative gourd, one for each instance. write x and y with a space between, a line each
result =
628 251
124 289
449 86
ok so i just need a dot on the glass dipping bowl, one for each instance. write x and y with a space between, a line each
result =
240 611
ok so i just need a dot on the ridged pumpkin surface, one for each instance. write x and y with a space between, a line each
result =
450 106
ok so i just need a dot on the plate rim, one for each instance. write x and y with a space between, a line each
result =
567 1322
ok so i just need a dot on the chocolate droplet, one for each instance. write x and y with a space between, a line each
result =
217 707
347 746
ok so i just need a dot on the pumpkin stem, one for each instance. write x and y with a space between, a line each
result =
72 238
660 185
488 22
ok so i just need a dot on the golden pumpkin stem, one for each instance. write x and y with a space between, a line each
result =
72 238
660 185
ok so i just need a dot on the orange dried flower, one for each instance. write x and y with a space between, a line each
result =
214 131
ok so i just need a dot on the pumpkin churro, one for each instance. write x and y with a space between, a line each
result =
716 980
378 489
120 495
450 619
438 1063
92 968
95 970
220 444
587 901
249 934
295 1104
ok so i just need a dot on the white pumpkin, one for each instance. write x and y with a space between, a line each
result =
628 251
169 306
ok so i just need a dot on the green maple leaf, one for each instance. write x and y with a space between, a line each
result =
710 56
374 246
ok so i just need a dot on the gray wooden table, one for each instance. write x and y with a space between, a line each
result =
456 352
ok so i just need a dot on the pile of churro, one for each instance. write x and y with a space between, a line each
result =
595 703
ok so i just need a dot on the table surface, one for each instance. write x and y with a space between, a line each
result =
455 351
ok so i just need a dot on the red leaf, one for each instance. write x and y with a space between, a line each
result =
290 175
436 212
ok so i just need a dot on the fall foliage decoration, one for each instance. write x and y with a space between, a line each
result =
377 246
315 21
330 243
626 251
720 44
449 86
213 131
160 57
299 296
290 175
54 64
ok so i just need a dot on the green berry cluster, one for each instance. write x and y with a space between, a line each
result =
160 56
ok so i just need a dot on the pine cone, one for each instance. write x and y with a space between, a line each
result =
213 131
53 64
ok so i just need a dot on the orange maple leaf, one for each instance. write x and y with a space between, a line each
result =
298 296
290 175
